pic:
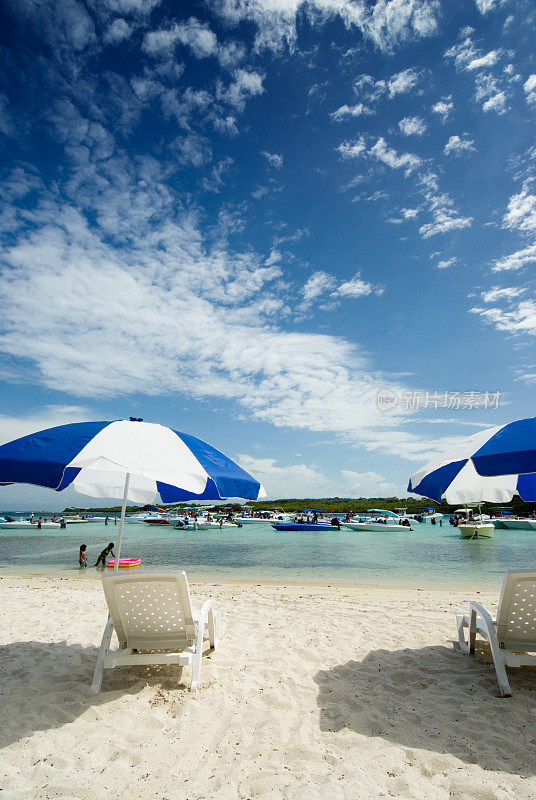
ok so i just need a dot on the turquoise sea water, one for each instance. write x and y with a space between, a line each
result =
427 557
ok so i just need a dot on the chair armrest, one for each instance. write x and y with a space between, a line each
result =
481 611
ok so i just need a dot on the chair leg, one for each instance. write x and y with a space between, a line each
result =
500 669
196 669
462 622
99 666
214 624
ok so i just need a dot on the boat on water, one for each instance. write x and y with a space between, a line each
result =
476 530
422 514
192 526
378 520
305 526
471 526
519 524
26 525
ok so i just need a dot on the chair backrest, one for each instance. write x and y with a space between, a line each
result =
150 610
516 616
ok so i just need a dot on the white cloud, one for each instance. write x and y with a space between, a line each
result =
444 221
370 484
387 23
323 287
449 262
12 427
486 5
506 293
412 126
246 84
516 260
530 90
443 107
457 145
192 33
352 149
521 212
279 481
318 284
489 94
445 218
468 57
486 60
391 158
369 88
409 213
192 150
117 31
356 287
402 82
273 159
520 318
350 111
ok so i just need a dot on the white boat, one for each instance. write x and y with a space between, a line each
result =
26 525
374 525
480 527
519 524
378 520
193 526
75 520
476 530
222 525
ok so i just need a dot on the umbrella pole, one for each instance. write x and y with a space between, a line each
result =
122 522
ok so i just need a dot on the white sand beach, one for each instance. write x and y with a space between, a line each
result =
315 692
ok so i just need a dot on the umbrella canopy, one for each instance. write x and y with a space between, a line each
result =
128 459
94 458
482 468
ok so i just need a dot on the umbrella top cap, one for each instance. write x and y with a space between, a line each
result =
135 419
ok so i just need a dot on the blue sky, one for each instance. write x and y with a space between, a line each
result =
246 218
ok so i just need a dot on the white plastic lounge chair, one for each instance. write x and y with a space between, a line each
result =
153 612
512 636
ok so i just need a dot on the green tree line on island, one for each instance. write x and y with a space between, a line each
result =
336 505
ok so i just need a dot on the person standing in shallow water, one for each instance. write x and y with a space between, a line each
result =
82 557
104 554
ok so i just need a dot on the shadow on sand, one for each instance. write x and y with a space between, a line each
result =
46 685
436 699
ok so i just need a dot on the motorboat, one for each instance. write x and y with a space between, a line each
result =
476 530
519 524
26 525
378 520
75 520
423 514
471 526
305 526
192 525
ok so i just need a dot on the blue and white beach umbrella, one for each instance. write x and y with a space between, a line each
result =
128 459
490 466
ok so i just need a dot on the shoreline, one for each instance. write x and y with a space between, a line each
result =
91 576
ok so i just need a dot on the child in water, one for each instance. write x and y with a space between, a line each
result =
82 558
105 553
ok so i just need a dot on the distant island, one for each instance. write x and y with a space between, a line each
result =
334 504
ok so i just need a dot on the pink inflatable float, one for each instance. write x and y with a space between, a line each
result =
125 563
